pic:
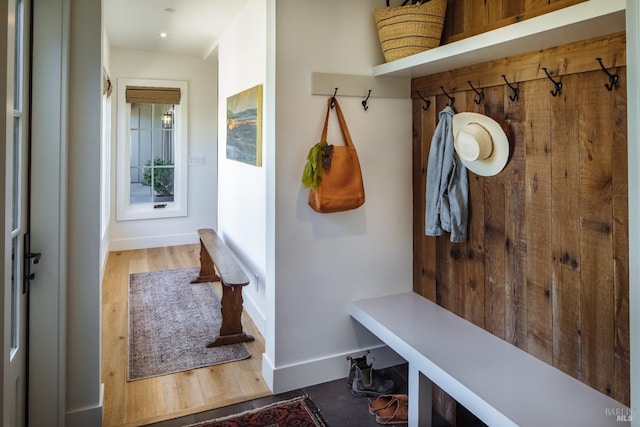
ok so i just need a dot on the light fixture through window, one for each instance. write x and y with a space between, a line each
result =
167 120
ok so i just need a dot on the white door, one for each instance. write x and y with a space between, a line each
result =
16 215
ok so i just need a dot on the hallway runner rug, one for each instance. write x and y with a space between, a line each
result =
171 320
299 411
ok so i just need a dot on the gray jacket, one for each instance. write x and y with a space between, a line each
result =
447 184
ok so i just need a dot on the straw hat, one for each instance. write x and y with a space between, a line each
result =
480 143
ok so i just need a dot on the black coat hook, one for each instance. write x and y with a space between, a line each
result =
333 98
451 98
427 102
557 84
613 78
479 94
364 103
515 89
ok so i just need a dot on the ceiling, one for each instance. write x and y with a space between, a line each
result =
192 26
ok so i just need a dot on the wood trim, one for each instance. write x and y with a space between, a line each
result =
492 15
560 291
560 61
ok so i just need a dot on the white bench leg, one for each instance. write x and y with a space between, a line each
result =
420 390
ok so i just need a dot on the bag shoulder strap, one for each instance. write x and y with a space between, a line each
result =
343 123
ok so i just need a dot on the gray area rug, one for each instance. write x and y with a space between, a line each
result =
171 321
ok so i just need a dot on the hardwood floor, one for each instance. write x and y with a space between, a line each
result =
155 399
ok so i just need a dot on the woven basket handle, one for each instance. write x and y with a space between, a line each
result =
343 123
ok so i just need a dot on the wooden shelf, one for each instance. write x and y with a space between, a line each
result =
583 21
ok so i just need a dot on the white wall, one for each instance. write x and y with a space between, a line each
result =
202 207
83 298
315 264
242 200
324 261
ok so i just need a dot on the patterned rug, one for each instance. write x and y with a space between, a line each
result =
171 321
300 411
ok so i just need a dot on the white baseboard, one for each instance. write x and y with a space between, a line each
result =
254 312
267 371
104 256
90 416
153 241
307 373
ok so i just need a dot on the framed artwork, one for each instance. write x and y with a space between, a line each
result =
244 126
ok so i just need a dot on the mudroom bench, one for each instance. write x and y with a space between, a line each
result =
499 383
217 263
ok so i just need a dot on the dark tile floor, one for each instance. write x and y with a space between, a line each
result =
334 400
341 409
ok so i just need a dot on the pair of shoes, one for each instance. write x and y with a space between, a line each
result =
369 382
384 401
390 409
360 362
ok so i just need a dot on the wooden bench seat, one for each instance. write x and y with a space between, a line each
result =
217 263
499 383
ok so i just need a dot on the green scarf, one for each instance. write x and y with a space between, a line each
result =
312 174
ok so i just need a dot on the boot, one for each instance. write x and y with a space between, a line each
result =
360 362
369 382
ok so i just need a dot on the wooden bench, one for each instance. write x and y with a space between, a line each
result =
499 383
217 263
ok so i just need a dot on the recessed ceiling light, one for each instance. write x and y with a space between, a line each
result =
170 10
163 35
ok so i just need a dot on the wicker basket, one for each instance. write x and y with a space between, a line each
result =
407 30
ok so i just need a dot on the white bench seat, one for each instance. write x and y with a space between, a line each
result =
499 383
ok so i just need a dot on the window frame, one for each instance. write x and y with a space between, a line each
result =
178 207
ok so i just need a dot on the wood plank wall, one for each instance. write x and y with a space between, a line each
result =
546 263
466 18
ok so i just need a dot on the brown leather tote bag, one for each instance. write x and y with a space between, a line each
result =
341 187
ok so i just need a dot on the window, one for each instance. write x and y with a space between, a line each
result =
152 149
152 164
